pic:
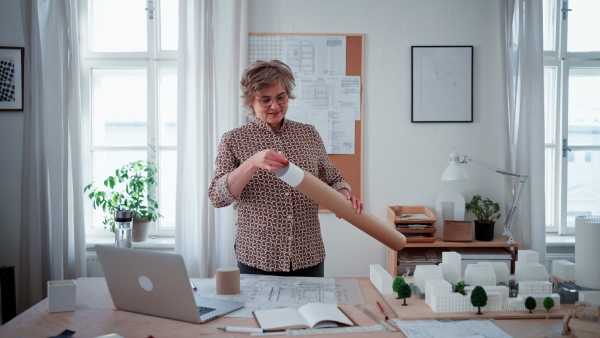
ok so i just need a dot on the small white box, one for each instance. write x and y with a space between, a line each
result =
564 270
476 255
61 295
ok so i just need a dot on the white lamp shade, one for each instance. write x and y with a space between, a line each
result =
454 172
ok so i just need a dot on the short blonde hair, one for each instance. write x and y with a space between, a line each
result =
262 74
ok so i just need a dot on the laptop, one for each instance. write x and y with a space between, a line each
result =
157 284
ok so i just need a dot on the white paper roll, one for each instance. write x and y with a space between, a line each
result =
587 251
291 174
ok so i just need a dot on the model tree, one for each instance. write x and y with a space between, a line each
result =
548 303
460 288
530 303
396 284
479 298
404 292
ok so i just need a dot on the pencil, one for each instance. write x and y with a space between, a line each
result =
382 310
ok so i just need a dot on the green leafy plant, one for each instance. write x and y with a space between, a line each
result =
404 291
128 189
460 288
479 298
484 209
548 303
397 282
530 303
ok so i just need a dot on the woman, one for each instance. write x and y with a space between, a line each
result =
278 230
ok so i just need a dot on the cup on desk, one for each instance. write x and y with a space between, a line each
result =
228 281
61 295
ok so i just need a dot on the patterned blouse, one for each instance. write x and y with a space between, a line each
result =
276 224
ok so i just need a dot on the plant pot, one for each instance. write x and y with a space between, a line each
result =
140 229
484 231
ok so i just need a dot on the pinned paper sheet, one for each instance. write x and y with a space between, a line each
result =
325 195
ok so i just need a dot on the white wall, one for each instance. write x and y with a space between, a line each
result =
11 146
403 161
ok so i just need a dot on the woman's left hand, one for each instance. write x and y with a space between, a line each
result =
357 204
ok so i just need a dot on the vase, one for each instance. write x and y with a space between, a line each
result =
484 231
140 229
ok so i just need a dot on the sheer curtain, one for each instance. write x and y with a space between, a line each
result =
52 244
525 79
212 56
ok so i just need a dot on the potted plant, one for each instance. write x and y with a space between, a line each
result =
128 189
486 212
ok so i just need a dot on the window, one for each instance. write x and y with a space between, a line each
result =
129 66
572 112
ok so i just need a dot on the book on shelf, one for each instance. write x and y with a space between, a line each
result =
312 315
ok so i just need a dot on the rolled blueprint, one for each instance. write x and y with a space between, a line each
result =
325 195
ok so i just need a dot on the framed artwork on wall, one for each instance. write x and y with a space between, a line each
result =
11 78
442 83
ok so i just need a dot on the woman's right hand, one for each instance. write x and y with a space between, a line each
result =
269 159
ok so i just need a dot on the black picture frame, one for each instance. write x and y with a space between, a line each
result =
12 60
441 84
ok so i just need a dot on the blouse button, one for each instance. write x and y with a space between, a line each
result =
287 194
290 216
290 238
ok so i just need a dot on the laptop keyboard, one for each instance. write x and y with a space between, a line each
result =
204 310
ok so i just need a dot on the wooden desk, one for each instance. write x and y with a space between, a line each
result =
497 242
95 316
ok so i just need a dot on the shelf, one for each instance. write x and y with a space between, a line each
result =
497 242
435 242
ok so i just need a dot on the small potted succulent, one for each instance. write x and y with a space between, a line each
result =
128 189
487 212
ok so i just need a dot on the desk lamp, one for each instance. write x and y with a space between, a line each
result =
454 172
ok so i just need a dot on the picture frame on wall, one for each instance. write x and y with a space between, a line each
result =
442 83
12 61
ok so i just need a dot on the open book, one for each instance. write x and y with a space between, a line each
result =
312 315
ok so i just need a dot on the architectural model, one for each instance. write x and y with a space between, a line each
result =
437 284
423 273
381 279
501 271
592 297
450 272
480 274
530 272
441 299
564 270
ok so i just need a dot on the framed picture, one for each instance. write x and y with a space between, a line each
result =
442 83
11 78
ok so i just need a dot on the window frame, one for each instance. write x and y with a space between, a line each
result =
564 61
152 61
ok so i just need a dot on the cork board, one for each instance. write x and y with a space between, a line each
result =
349 165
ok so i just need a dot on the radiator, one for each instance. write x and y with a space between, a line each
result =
93 266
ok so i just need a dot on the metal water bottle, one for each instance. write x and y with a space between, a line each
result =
123 224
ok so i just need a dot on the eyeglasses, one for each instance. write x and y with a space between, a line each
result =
266 102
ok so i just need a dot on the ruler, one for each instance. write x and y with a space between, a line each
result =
343 329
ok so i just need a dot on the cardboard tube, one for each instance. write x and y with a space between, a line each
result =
228 281
325 195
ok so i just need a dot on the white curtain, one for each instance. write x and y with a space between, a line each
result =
211 58
525 79
52 243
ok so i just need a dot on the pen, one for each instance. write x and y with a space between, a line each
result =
193 286
382 311
241 329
